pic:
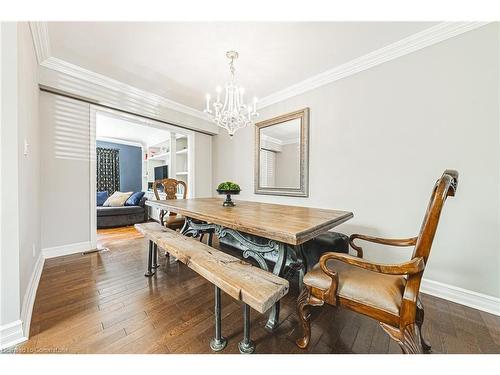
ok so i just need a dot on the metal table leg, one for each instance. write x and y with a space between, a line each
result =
218 342
150 272
155 256
279 266
247 346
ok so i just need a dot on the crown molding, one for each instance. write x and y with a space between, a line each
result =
412 43
41 41
86 75
405 46
40 35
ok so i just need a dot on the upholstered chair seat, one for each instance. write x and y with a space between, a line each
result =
377 290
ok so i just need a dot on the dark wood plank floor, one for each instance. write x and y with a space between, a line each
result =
102 303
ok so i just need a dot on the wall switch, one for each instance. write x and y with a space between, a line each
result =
34 250
26 147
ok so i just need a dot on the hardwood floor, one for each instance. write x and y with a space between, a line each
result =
102 303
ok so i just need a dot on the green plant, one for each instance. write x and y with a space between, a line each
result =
228 185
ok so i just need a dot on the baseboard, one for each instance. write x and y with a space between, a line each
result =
465 297
57 251
11 334
30 294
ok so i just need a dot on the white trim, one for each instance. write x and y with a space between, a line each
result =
86 75
93 176
191 165
465 297
11 334
40 35
120 141
57 251
30 294
412 43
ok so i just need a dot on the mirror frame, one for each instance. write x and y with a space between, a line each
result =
303 190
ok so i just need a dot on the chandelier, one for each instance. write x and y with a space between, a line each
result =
231 113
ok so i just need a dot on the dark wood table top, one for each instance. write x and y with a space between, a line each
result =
293 225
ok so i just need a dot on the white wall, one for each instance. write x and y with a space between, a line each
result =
29 165
9 276
379 139
20 187
203 165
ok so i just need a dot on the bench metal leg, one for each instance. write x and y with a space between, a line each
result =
246 346
218 342
150 272
155 256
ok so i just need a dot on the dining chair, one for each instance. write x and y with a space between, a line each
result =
171 187
388 293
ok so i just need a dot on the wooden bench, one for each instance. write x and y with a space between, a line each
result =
253 286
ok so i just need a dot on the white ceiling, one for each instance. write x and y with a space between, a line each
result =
113 128
183 61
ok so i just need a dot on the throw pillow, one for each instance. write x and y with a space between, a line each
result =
117 199
101 197
134 199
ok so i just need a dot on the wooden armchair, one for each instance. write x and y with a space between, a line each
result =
170 188
388 293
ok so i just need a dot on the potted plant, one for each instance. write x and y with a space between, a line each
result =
228 188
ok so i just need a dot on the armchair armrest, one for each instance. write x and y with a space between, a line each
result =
383 241
411 267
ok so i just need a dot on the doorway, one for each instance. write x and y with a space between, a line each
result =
128 152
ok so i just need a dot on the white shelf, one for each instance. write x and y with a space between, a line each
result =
181 173
182 152
159 156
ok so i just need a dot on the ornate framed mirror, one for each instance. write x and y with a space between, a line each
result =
282 155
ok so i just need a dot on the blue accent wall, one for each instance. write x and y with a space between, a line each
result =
130 165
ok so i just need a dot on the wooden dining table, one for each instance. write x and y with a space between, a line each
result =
264 232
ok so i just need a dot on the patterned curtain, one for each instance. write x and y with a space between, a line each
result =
108 170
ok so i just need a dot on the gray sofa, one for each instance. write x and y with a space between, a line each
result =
110 217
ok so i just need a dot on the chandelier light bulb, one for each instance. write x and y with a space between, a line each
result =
207 109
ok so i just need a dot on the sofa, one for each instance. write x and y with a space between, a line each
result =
111 217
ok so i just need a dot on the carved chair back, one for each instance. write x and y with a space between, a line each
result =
171 187
446 186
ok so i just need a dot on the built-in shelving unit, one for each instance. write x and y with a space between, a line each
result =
181 164
173 151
